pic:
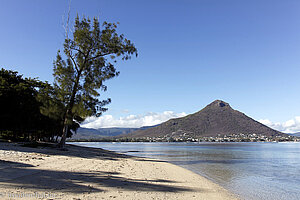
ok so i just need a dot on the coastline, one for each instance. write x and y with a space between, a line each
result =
92 173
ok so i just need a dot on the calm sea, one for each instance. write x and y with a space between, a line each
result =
250 170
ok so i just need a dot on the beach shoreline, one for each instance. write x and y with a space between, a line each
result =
92 173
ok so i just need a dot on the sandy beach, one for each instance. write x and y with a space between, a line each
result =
89 173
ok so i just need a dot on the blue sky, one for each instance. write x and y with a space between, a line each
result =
246 53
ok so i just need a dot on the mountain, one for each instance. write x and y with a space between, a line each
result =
216 118
90 133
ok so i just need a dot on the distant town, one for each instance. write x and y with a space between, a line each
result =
187 138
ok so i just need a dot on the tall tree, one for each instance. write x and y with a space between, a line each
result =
90 58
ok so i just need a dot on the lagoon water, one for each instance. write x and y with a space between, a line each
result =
251 170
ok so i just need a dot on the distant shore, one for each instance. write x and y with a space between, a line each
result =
90 173
224 138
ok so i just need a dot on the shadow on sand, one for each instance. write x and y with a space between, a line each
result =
21 175
73 151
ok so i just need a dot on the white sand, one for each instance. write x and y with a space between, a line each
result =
88 173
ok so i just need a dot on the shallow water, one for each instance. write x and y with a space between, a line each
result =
250 170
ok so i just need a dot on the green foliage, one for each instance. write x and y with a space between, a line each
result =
30 109
90 58
53 108
17 101
20 109
86 66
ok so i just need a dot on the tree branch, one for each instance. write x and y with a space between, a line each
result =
75 64
105 54
77 50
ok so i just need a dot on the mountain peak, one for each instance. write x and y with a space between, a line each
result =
217 118
219 103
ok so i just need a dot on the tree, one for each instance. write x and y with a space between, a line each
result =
20 117
53 108
90 58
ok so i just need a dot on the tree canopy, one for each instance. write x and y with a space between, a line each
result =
21 104
90 57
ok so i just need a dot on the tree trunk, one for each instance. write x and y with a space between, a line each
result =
65 131
56 140
68 115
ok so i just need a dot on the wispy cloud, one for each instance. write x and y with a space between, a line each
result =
290 126
130 121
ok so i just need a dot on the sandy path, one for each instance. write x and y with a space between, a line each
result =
87 173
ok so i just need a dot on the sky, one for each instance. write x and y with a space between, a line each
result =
191 53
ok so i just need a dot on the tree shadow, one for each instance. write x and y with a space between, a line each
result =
73 151
26 176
